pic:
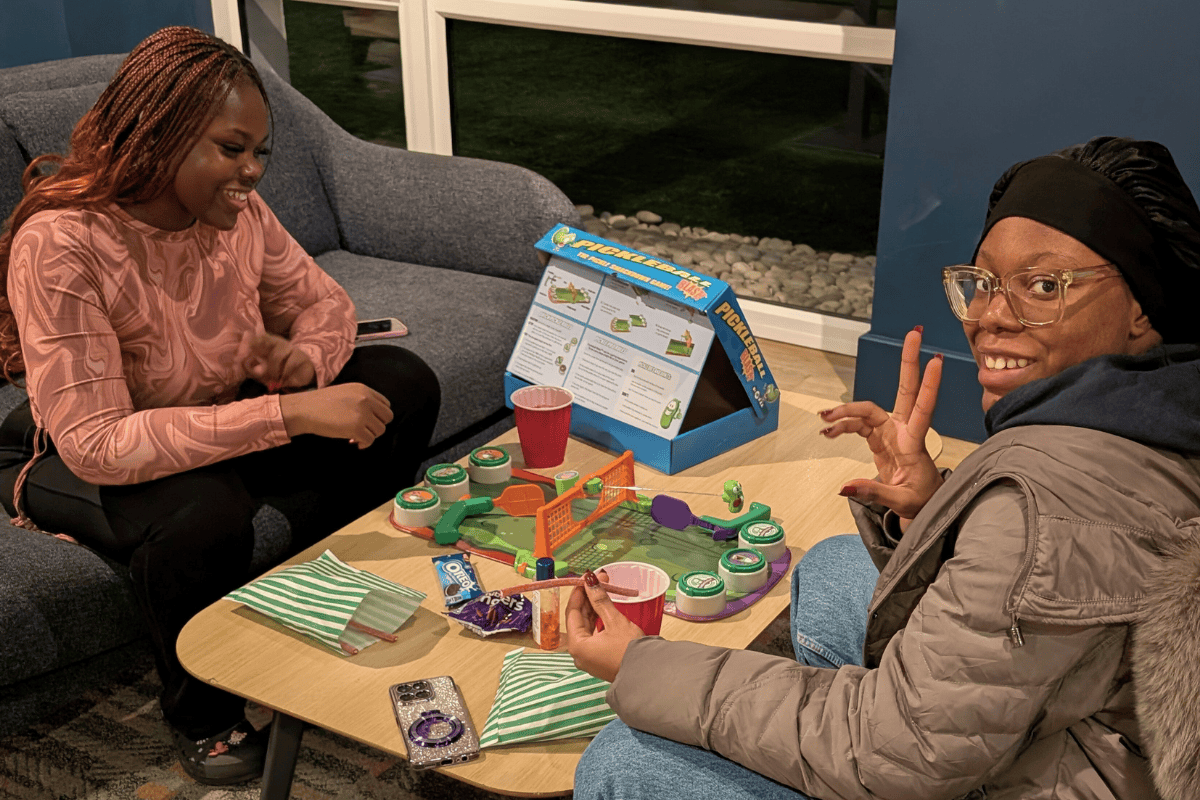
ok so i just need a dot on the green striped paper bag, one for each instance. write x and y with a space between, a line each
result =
319 598
543 696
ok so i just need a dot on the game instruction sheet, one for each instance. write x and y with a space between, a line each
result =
622 350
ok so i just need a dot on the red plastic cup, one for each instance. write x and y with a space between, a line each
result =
543 421
645 610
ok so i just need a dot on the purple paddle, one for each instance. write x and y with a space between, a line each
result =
673 513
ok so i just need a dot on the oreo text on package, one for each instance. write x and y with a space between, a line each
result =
458 578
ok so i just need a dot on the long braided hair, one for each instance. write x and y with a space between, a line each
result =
127 148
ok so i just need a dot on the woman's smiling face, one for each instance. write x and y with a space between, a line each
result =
221 168
1101 315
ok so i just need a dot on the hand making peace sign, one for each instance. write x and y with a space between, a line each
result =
907 474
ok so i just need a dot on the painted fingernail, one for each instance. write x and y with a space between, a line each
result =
826 431
825 413
940 357
919 329
848 491
590 578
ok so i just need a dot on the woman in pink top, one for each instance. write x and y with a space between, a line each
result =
183 354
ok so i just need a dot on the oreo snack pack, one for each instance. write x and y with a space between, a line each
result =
458 578
490 614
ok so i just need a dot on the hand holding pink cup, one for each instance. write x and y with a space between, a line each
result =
646 609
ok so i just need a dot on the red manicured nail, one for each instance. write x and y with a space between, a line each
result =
590 578
919 329
940 357
848 491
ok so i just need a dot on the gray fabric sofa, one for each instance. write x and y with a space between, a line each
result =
445 244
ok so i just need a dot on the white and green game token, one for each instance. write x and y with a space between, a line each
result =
700 594
744 569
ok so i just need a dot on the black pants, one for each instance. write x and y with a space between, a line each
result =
188 538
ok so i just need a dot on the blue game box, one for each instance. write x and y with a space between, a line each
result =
660 359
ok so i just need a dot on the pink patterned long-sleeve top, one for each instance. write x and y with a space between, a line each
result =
130 335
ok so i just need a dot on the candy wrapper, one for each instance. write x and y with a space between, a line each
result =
491 614
458 578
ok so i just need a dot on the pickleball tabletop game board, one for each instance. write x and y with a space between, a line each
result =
624 534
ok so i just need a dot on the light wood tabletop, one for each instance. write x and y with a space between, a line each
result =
794 470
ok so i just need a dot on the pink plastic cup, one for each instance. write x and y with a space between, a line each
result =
543 421
645 610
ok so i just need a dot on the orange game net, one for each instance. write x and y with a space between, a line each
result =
555 522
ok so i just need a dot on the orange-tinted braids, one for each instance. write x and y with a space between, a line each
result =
127 148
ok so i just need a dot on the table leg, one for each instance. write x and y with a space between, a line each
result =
281 757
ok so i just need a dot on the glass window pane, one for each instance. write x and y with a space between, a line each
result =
764 170
347 61
712 141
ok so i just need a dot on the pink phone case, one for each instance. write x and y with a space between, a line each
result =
402 330
366 337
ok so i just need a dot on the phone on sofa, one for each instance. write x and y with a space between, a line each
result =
434 722
382 328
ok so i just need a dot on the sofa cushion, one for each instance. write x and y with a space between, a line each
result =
41 122
33 78
292 184
12 166
77 71
463 325
50 591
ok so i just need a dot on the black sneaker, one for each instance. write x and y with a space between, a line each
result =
234 755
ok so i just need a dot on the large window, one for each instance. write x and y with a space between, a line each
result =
761 168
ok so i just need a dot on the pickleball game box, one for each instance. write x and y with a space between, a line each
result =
660 359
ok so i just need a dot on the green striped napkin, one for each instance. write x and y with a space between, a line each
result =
320 598
543 696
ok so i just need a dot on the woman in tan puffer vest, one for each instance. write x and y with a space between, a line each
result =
1025 603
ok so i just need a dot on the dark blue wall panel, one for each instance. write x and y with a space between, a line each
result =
976 87
44 30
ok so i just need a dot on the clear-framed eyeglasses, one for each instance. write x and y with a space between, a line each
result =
1037 295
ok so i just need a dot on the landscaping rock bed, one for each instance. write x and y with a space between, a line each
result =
768 269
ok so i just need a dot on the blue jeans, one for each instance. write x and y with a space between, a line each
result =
831 588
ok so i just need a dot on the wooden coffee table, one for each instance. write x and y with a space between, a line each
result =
795 471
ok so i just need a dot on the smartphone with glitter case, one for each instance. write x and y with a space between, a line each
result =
434 722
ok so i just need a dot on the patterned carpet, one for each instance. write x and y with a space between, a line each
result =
113 745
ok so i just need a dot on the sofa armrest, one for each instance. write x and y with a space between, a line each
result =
440 211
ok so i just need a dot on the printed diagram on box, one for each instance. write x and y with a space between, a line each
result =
682 346
626 325
651 394
672 412
568 294
656 324
546 346
569 289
